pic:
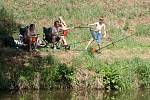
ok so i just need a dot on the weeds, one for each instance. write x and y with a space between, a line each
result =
121 74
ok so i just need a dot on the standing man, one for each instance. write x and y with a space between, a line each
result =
97 32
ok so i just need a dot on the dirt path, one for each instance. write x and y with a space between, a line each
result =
107 54
125 54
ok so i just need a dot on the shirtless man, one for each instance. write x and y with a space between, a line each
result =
56 29
97 32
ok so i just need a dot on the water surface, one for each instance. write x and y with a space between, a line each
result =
76 95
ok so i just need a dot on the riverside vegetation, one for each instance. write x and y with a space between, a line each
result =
123 66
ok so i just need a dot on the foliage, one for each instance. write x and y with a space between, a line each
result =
46 75
120 74
143 70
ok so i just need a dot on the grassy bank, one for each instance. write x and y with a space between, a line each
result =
85 72
115 75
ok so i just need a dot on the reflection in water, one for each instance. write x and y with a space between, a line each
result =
76 95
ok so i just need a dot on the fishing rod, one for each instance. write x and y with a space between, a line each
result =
118 41
79 42
83 40
82 27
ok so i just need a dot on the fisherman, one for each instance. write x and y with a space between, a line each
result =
55 33
34 36
97 32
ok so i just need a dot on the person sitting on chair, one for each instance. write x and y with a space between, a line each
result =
34 36
65 30
55 33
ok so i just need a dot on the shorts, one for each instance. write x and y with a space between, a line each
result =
96 36
65 32
55 38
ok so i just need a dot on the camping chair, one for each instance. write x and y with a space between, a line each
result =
47 34
22 32
48 37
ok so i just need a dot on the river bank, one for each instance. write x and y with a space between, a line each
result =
23 70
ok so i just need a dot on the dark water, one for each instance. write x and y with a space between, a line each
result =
76 95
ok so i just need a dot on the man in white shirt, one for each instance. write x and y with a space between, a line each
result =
97 32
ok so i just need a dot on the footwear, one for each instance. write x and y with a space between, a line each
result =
30 50
46 46
98 51
36 50
52 47
67 47
55 48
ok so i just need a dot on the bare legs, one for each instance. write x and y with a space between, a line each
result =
64 40
89 43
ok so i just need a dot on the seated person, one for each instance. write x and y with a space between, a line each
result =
32 30
34 36
64 26
55 33
64 30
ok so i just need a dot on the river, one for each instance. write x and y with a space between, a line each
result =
76 95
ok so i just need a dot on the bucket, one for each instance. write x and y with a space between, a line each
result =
93 50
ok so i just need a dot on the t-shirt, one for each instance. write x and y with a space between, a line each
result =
56 31
99 27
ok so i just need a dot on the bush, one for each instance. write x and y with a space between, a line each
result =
143 72
59 76
118 75
41 73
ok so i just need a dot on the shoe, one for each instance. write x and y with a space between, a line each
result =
67 47
52 47
98 51
30 50
46 46
55 48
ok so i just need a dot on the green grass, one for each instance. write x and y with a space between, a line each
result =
143 30
82 13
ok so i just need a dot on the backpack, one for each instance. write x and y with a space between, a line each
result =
23 31
47 34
